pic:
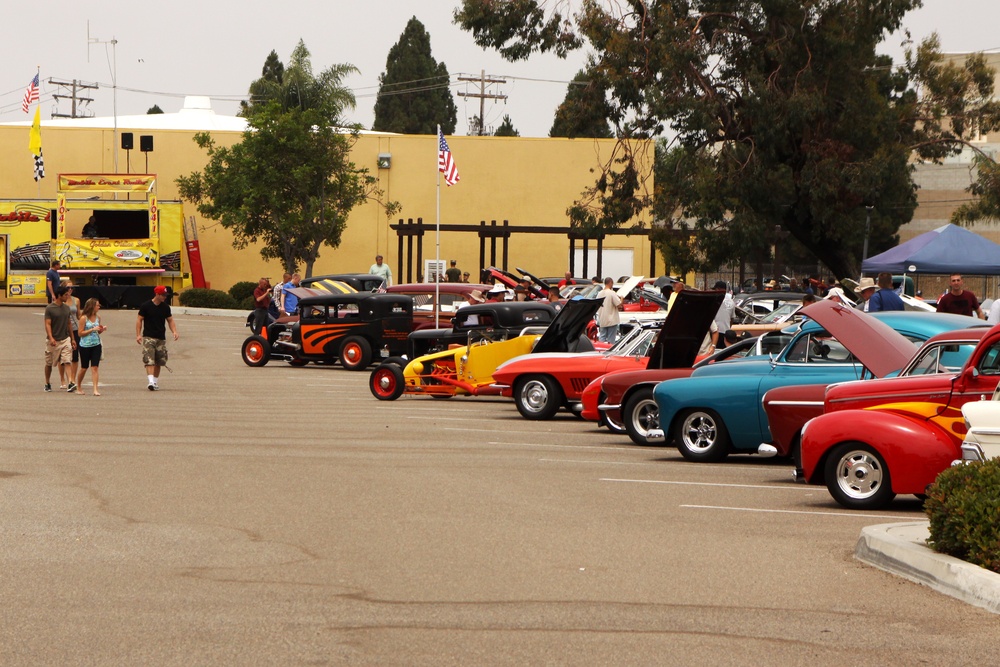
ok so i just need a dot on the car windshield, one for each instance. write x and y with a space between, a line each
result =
941 358
635 342
817 348
781 313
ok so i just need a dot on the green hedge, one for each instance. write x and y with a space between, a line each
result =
242 290
964 509
197 297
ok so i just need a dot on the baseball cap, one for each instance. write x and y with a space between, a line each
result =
160 289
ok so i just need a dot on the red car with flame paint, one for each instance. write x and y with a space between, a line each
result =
880 438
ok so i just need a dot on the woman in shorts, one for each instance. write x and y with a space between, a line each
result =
90 329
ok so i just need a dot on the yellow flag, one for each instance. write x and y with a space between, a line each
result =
35 138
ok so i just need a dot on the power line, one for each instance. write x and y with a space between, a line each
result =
482 94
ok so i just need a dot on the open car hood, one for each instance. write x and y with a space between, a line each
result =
563 334
879 347
535 280
628 286
684 330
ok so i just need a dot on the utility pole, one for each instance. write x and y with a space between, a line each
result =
75 87
482 94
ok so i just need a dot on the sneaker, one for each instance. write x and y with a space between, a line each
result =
48 387
152 387
72 387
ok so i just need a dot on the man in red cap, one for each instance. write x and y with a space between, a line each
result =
151 333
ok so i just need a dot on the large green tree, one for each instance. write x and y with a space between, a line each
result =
414 94
782 112
289 184
585 110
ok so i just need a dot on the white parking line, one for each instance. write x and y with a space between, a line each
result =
856 515
660 462
534 432
735 486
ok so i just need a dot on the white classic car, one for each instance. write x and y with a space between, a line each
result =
982 419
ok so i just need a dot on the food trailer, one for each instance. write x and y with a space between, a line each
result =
109 232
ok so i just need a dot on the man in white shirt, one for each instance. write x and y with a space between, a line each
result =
608 318
724 317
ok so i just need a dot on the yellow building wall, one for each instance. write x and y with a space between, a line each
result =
525 181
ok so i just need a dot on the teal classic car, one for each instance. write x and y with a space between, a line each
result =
718 410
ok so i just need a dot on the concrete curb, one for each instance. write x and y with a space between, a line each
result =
900 548
214 312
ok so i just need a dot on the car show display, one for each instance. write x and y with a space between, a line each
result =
888 437
468 369
789 408
540 384
718 410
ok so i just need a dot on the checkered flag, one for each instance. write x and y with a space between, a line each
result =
39 165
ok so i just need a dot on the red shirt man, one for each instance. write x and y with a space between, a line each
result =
958 300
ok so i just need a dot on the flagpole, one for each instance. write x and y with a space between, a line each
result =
437 242
38 72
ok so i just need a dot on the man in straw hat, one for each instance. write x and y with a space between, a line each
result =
866 287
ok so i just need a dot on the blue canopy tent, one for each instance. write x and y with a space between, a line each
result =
943 250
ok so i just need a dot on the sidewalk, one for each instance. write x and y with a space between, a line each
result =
900 548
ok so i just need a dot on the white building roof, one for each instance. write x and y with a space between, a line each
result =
196 115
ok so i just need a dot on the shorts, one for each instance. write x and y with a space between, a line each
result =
61 353
90 356
154 352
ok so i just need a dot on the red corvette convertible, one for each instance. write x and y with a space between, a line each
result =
542 383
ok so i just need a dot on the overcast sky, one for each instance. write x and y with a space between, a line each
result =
165 51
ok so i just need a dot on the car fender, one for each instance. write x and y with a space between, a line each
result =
788 409
915 450
735 400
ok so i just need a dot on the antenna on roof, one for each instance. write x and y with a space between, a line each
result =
113 66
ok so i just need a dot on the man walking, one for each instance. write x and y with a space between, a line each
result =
959 300
151 334
59 343
886 297
379 268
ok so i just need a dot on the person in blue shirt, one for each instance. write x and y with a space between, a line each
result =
886 297
289 302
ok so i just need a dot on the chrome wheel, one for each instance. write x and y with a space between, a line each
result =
641 414
537 397
701 436
858 478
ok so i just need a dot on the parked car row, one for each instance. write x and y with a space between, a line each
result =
869 405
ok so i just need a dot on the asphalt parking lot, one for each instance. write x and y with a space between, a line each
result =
284 516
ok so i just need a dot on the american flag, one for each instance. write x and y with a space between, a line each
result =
30 94
446 165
